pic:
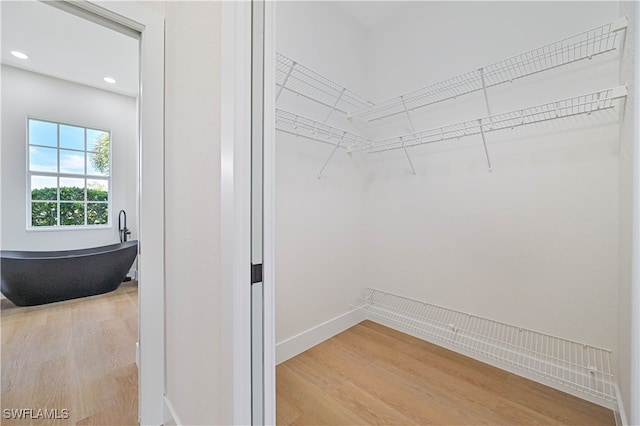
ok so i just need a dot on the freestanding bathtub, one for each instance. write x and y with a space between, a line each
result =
35 278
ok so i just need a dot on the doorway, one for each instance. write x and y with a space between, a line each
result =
146 29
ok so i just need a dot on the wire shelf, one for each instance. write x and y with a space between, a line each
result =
581 46
305 127
305 82
581 367
584 104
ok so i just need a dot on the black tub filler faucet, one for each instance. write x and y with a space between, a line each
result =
122 226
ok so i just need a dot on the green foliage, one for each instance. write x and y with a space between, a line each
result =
97 195
71 213
97 213
44 214
100 159
71 193
45 194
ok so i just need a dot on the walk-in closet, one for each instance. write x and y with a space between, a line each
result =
453 178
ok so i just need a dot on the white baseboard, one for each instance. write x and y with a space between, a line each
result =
620 414
170 416
307 339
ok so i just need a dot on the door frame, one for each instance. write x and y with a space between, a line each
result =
236 213
150 111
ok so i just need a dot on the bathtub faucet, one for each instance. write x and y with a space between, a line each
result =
122 226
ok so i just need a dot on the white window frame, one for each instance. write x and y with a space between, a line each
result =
58 175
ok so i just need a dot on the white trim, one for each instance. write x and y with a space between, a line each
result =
634 409
235 208
618 411
269 161
151 199
299 343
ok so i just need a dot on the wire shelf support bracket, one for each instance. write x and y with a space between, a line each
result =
582 46
335 148
486 102
583 368
413 131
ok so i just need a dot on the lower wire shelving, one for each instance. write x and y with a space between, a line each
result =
578 366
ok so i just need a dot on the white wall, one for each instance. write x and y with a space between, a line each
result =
26 94
192 209
319 252
535 243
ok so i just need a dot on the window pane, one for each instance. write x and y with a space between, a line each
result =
44 188
43 159
97 190
96 139
72 213
43 133
60 149
99 161
97 213
71 137
71 189
44 214
71 162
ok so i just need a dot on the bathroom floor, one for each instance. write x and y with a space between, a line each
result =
77 355
371 374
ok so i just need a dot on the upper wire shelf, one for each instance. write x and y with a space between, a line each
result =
583 104
305 127
305 82
581 46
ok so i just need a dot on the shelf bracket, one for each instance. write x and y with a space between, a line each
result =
333 108
484 90
486 102
413 132
284 83
406 110
335 148
484 144
413 170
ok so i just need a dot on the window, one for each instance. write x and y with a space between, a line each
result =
68 175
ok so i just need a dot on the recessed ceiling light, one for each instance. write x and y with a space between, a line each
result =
19 54
110 80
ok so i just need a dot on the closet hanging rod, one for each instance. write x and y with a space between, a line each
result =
583 104
572 49
298 125
305 82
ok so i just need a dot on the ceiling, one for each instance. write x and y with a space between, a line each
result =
370 13
65 46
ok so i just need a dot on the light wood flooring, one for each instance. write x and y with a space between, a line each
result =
77 355
371 374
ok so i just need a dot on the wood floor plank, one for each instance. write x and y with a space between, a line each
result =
382 376
77 355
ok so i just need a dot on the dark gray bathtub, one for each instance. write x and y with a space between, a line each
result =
35 278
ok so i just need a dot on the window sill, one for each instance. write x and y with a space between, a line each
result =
69 228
